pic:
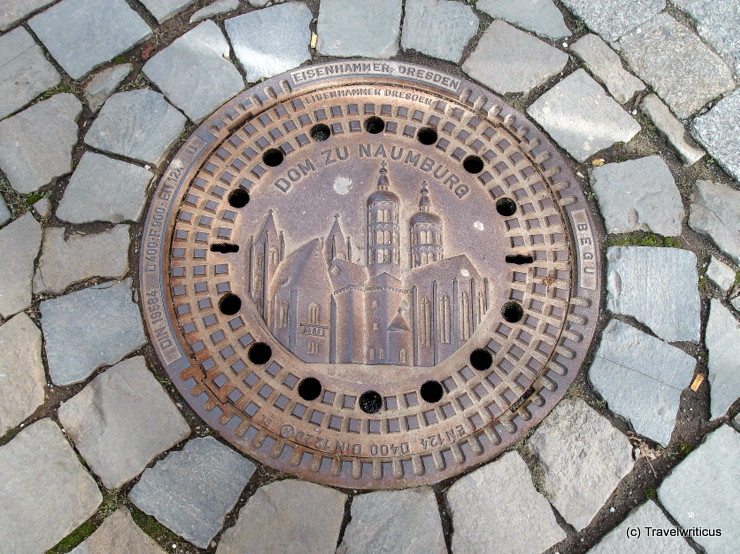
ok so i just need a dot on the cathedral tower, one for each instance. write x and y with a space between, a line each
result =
426 233
336 247
383 237
266 253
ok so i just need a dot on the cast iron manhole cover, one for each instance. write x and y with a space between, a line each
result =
370 274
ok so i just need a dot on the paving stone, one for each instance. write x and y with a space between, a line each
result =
164 9
15 10
192 490
24 71
717 132
656 286
692 496
19 245
282 517
46 493
717 23
736 302
539 16
5 214
639 195
215 8
582 457
715 211
671 128
104 189
487 517
121 421
118 534
103 84
613 18
641 378
271 41
81 34
392 521
36 144
509 60
619 541
438 28
263 3
22 379
684 72
81 257
721 273
606 65
723 344
359 28
89 328
43 207
194 71
581 118
138 124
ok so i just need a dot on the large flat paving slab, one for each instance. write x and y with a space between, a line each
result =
46 492
36 144
118 534
192 490
581 118
15 10
509 60
270 41
282 517
639 195
90 328
194 72
682 70
359 28
641 378
539 16
82 34
487 517
19 246
438 28
702 490
386 521
716 130
24 71
723 344
717 23
656 286
22 378
715 212
121 420
583 458
613 18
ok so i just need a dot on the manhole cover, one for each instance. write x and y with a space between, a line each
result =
370 274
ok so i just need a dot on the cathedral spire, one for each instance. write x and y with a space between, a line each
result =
335 246
383 182
424 202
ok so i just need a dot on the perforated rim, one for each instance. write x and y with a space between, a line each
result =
504 379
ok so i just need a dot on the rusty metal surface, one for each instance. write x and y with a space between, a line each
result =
370 274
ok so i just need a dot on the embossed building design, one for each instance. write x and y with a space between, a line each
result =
325 308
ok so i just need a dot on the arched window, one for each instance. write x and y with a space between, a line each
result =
426 323
402 356
274 256
314 314
283 315
444 320
464 316
371 354
481 306
381 354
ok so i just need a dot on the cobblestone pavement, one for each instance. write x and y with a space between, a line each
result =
98 453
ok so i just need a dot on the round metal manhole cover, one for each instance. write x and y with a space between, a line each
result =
370 274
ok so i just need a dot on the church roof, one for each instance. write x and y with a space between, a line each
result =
458 267
304 267
269 226
399 324
425 217
344 274
385 279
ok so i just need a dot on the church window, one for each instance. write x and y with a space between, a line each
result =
260 262
375 326
402 356
481 306
444 319
465 316
381 354
375 303
371 354
426 323
379 237
283 315
314 314
312 347
274 256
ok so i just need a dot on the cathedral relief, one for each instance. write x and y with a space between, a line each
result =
327 309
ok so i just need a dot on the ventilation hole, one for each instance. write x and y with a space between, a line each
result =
225 248
370 402
238 198
230 304
309 388
473 164
519 259
273 157
374 125
432 391
260 353
427 135
506 206
320 132
512 312
481 359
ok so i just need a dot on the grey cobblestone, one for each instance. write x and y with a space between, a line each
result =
118 534
5 214
438 28
213 9
723 344
717 131
359 28
36 144
271 41
164 9
103 84
721 273
15 10
194 72
509 60
613 18
539 16
671 128
82 34
24 71
718 22
19 246
715 211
